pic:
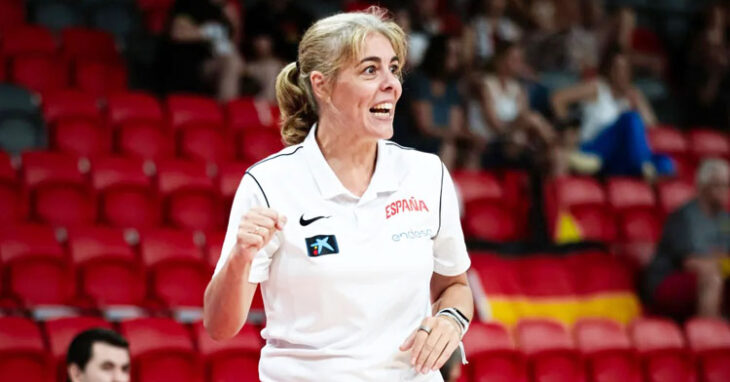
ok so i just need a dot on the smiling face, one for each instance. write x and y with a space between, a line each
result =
363 95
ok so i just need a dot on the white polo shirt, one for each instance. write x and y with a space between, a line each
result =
347 280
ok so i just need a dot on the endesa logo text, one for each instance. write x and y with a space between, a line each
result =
404 205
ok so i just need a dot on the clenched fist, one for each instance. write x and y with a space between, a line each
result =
255 230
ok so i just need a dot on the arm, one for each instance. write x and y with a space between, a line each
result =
452 292
184 30
643 106
232 13
562 99
488 112
456 120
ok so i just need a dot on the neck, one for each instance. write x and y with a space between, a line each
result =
709 208
351 158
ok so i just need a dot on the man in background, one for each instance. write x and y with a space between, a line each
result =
98 355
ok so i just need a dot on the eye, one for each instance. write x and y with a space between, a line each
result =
369 70
394 69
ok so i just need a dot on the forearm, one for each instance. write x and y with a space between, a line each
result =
457 295
228 299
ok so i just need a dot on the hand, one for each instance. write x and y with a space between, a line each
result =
255 230
431 351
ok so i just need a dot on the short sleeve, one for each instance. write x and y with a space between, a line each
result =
449 250
248 195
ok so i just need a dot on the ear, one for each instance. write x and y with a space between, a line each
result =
74 372
320 85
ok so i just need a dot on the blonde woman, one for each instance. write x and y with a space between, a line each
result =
355 240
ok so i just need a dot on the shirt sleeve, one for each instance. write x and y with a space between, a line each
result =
449 251
248 195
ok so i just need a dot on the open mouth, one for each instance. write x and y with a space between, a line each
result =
382 109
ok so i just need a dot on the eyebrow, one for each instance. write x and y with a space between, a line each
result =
377 59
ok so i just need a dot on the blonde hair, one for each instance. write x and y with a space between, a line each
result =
325 47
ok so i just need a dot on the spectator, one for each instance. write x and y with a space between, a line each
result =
200 53
502 114
436 103
587 39
417 40
264 66
544 44
622 32
285 20
696 237
488 24
708 71
98 355
613 118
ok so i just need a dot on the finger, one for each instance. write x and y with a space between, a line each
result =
428 347
418 343
450 347
252 229
281 222
438 350
250 240
260 220
408 342
268 212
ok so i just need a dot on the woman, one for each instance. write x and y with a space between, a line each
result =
489 23
373 237
613 118
502 115
200 52
436 105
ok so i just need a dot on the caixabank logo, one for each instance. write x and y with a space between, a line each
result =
321 245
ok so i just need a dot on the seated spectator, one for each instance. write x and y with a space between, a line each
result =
98 355
435 102
501 115
264 66
488 24
622 31
707 76
614 114
695 239
200 52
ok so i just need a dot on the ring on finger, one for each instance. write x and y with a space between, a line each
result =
425 329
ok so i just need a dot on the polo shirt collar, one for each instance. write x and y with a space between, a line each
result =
384 178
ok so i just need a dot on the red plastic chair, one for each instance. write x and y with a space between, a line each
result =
486 220
61 331
551 351
145 140
206 145
477 185
22 354
88 44
190 198
59 193
608 351
257 144
669 140
585 200
705 143
126 196
175 264
492 355
82 138
673 194
12 15
244 113
231 360
12 204
186 111
229 177
161 350
28 40
42 74
126 107
99 78
36 269
107 268
709 340
661 346
70 104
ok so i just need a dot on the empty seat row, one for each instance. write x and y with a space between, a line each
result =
687 149
100 267
651 350
161 350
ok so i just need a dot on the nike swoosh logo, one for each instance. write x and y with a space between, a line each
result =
306 222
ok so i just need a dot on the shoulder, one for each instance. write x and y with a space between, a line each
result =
411 160
278 163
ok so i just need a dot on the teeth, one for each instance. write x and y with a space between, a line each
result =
383 106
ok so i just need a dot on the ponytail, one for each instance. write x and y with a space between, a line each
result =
297 114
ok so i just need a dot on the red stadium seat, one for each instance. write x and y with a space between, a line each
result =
176 266
551 351
661 346
126 196
133 107
155 13
194 111
12 205
629 193
28 40
106 266
206 145
83 138
230 175
608 351
638 224
232 360
673 194
477 185
41 74
709 340
22 355
705 143
190 198
546 276
36 269
12 15
585 200
70 104
161 350
89 44
485 220
498 276
58 191
667 140
247 113
256 144
61 331
492 355
144 139
99 78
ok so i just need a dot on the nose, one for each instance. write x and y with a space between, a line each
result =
391 82
120 376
